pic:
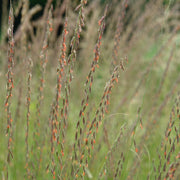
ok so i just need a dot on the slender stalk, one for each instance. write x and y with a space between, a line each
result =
10 86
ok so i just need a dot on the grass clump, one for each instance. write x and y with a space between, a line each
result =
90 92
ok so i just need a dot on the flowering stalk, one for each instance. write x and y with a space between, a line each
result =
10 85
75 41
30 64
64 77
43 63
169 158
55 123
118 32
80 127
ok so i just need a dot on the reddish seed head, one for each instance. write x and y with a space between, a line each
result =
42 80
44 47
178 156
8 126
10 60
54 138
50 29
54 173
66 32
97 58
82 156
62 152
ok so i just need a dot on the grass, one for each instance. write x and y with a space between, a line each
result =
99 101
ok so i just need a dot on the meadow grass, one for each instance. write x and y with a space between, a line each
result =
99 101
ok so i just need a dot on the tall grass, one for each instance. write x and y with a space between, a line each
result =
91 91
